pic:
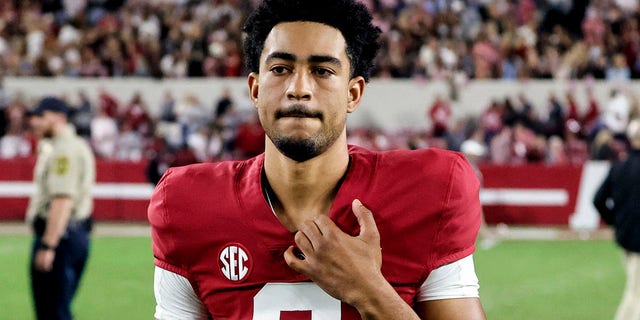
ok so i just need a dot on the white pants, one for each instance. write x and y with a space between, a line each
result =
629 308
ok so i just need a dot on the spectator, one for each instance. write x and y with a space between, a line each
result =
16 115
556 154
249 140
591 118
215 147
136 117
618 70
501 149
129 146
198 142
14 145
90 64
191 115
576 147
226 118
82 115
167 109
491 120
573 113
109 104
554 125
602 146
104 134
616 114
528 115
440 115
486 57
526 146
593 28
159 162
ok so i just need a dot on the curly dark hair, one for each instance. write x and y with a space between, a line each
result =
350 17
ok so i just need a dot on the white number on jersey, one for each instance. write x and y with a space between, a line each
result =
306 296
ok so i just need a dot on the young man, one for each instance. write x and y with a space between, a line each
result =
60 210
314 228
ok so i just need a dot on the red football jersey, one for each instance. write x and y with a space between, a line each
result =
212 225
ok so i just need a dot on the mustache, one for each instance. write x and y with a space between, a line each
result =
298 111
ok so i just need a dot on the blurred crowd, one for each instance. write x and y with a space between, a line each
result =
514 131
187 130
432 39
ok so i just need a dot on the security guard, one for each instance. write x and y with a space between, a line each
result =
60 210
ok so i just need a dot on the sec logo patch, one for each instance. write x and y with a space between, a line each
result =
61 165
235 262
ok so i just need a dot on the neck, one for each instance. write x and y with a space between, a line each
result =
303 190
58 127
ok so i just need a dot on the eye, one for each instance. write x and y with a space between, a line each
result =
279 69
323 72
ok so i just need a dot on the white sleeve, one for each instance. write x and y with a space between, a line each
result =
455 280
175 298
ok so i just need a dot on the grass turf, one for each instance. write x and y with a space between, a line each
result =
555 280
519 280
117 284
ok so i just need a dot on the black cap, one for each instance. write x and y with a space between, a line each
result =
49 104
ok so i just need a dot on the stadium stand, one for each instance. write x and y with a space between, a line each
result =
452 41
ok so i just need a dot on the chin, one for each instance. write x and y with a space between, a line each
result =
299 150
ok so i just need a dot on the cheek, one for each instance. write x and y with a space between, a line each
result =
336 117
261 113
268 96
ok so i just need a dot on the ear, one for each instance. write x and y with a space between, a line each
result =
356 89
252 81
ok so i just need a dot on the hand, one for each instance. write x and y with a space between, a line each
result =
346 267
44 260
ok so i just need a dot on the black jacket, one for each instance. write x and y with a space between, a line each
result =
618 201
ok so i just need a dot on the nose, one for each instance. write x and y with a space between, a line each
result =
300 87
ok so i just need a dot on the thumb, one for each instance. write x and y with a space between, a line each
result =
368 228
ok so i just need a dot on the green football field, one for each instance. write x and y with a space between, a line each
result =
518 279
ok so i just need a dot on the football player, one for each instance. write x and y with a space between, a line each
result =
315 228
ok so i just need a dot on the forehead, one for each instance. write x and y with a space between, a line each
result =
304 39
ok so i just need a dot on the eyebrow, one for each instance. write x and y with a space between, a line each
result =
313 58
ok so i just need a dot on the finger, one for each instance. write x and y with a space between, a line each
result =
326 226
311 230
302 241
368 227
295 263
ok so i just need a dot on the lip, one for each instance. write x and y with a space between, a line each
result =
298 116
298 111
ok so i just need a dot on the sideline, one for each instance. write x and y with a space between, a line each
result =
504 232
100 229
501 231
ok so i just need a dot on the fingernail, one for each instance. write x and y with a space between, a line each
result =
298 254
358 202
